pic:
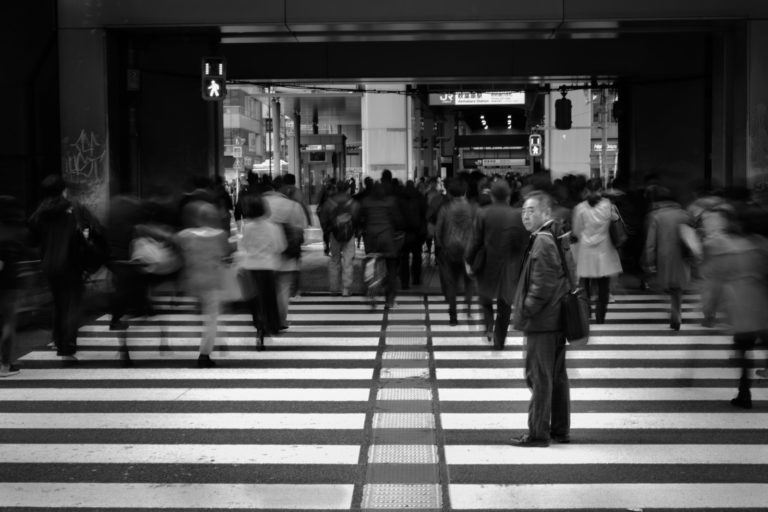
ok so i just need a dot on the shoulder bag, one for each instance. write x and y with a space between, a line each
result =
575 307
618 230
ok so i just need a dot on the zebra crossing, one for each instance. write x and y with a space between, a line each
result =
354 408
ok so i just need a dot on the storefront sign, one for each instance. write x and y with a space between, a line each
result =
478 98
502 162
597 147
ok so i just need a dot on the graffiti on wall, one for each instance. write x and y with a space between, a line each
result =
84 169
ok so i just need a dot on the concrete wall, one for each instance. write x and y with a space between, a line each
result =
29 131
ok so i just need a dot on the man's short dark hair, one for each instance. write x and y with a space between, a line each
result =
289 179
500 190
386 175
543 199
456 187
52 186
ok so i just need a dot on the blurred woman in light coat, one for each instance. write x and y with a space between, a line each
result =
261 250
597 260
664 252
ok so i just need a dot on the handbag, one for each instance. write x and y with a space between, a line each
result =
575 307
478 263
158 257
618 230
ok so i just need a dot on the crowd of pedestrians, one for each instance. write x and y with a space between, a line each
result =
509 240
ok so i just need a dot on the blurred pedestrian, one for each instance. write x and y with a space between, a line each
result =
12 235
204 248
741 262
289 215
130 285
261 249
597 260
62 230
340 216
453 234
664 250
495 256
382 222
538 313
414 209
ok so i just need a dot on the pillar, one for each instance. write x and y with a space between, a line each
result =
757 108
385 131
277 122
83 110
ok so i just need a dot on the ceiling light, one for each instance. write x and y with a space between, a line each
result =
482 116
485 127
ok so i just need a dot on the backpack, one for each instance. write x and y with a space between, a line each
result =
457 237
341 222
294 237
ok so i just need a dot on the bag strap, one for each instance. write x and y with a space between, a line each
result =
562 258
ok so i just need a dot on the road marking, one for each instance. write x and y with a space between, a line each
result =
185 394
609 496
251 421
178 454
608 454
631 420
194 496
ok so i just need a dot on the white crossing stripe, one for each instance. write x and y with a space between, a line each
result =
90 394
594 496
205 374
592 373
251 421
155 496
515 339
692 354
599 394
232 341
609 454
178 454
98 355
631 420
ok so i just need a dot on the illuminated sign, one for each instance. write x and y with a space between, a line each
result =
597 147
534 144
214 78
502 162
462 98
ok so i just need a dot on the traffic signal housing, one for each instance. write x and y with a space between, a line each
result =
563 113
214 78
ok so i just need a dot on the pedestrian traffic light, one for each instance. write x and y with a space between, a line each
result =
563 112
534 144
214 79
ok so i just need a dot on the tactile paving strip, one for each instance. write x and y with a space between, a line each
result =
402 454
419 355
404 394
406 340
404 373
403 420
402 496
406 328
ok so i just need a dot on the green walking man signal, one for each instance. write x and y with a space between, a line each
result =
534 144
214 79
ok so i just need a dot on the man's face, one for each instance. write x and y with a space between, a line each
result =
533 214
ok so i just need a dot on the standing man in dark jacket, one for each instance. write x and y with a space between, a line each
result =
538 314
61 227
501 237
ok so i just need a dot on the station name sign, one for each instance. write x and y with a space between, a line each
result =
478 98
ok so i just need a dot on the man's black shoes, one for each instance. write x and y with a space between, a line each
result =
526 441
